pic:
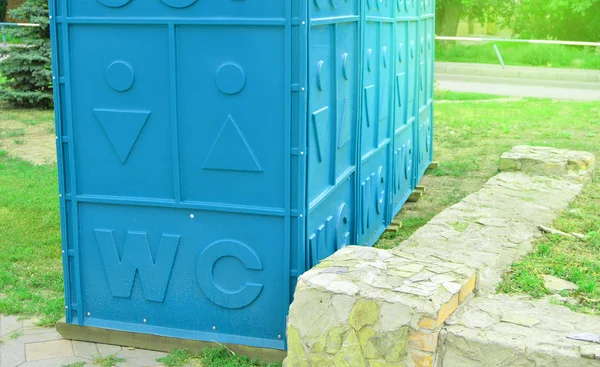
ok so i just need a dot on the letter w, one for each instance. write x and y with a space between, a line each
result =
137 257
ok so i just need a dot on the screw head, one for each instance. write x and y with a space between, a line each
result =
301 216
145 321
192 216
303 22
66 307
214 328
89 314
279 336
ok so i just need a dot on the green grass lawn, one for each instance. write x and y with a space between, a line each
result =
30 265
575 260
214 357
448 95
520 54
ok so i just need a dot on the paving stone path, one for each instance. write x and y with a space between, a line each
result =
22 344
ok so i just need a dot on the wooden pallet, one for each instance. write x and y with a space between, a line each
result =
434 165
417 194
395 226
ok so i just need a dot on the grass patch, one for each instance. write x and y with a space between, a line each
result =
26 117
575 260
214 357
16 334
448 95
12 133
519 54
108 361
470 137
76 364
30 265
176 358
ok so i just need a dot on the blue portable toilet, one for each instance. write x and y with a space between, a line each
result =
211 151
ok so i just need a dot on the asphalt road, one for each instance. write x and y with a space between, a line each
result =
514 87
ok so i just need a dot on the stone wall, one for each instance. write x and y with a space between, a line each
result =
377 308
370 307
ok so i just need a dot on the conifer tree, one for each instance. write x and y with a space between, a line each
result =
28 67
3 6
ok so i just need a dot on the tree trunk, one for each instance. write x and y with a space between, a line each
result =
448 17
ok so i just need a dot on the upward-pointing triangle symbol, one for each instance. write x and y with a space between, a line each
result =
231 151
122 128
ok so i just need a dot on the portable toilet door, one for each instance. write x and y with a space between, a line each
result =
333 107
405 119
175 153
425 92
376 123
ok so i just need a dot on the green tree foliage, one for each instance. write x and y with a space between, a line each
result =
3 6
449 13
573 20
28 67
576 20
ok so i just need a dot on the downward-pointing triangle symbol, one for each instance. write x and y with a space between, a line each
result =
122 128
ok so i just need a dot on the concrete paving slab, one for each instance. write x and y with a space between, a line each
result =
12 353
106 349
84 349
48 350
9 324
56 362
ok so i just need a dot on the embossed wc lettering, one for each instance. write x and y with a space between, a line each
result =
372 191
323 242
137 258
155 275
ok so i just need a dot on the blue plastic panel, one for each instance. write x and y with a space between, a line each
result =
377 122
404 125
192 282
333 90
425 87
230 131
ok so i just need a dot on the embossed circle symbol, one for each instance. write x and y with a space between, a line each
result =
230 78
345 65
120 76
320 75
179 3
114 3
